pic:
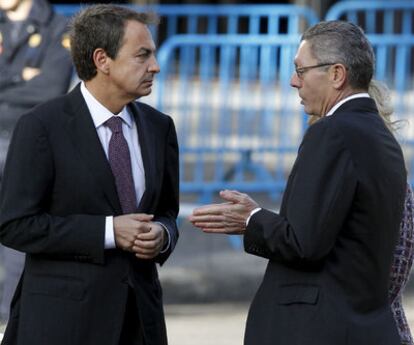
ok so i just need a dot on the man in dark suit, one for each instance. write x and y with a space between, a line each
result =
90 194
330 247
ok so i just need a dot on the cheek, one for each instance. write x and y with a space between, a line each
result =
314 92
307 91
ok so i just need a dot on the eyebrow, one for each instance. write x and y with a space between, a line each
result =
146 50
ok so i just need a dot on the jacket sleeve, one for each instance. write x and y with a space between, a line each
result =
26 193
53 80
168 207
318 196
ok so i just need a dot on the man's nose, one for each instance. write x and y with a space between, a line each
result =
295 81
154 67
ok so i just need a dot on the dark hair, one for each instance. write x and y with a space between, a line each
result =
345 43
100 26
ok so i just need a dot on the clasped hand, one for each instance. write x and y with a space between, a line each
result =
227 218
137 234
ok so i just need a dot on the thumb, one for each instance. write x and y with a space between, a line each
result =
231 195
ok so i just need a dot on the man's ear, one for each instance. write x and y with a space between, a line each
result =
339 75
101 60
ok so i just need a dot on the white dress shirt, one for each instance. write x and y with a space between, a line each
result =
100 115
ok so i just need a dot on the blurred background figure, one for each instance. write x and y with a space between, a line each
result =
35 66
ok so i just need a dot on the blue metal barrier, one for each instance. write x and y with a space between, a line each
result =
230 19
389 27
387 17
238 125
223 19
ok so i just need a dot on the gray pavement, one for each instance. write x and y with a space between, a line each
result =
207 324
219 323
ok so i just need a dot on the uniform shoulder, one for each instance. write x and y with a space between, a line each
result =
57 26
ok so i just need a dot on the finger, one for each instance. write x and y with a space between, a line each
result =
148 236
145 257
210 209
147 244
224 230
207 218
144 228
142 217
209 225
145 251
147 248
156 231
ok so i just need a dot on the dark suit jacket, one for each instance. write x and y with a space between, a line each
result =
58 187
331 246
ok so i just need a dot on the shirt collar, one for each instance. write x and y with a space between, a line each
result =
337 105
99 113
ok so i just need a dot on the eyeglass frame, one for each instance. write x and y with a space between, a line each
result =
302 70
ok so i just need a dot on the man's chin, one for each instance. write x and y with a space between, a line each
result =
143 93
307 110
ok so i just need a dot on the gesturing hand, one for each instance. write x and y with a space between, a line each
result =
227 218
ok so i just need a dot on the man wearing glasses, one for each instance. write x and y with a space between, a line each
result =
330 248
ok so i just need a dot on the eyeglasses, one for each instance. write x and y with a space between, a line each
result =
302 70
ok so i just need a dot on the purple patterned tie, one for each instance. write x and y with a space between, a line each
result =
120 162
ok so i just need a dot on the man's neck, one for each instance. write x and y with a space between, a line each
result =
107 97
341 96
21 12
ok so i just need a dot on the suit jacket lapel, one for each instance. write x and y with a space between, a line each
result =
85 138
147 152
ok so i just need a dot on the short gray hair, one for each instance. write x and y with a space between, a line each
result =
345 43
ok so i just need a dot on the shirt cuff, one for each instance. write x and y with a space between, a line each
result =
167 245
257 209
109 233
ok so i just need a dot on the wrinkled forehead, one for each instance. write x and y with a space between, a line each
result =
138 35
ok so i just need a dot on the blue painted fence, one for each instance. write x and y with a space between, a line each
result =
223 19
238 120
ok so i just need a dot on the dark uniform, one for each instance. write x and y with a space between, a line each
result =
38 44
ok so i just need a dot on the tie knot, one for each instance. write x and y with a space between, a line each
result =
114 124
